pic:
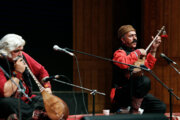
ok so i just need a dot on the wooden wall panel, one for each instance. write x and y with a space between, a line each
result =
92 33
155 14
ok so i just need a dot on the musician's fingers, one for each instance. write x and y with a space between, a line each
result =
159 41
158 38
143 52
20 59
152 37
48 90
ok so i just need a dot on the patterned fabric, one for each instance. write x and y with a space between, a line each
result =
175 116
12 117
37 115
136 104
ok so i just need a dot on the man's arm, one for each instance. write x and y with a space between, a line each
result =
155 45
10 87
121 56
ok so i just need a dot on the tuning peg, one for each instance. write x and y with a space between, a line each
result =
164 35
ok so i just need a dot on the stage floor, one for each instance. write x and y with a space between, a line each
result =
176 116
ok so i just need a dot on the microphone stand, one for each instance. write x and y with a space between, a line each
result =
21 91
175 67
142 68
170 90
93 92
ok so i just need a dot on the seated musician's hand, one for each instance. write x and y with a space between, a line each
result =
143 52
48 90
19 65
156 43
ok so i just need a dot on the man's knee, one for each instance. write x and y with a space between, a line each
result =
142 87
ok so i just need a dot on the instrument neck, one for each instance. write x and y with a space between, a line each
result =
163 27
41 88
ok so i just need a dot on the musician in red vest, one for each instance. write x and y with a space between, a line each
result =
13 63
131 89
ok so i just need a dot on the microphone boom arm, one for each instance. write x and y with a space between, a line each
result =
107 59
175 68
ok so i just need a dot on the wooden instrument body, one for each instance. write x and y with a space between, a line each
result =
55 107
138 63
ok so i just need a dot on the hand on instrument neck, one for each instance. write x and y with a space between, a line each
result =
19 65
48 90
155 45
143 52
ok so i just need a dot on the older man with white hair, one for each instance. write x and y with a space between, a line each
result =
13 63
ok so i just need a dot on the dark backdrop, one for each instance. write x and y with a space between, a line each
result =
42 23
126 12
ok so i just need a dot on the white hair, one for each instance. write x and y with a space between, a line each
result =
9 43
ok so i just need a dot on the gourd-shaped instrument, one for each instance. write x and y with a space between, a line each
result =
55 107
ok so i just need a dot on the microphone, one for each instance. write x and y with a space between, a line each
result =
57 48
167 59
50 78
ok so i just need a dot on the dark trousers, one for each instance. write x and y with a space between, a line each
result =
11 105
138 87
151 104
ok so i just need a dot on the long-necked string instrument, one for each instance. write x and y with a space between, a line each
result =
55 107
142 60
